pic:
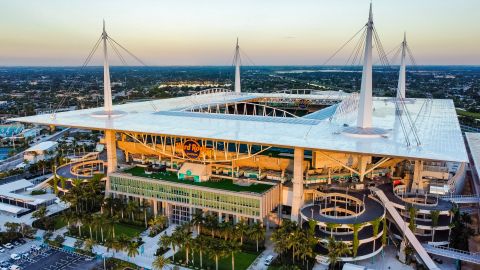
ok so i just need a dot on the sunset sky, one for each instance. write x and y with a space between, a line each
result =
203 32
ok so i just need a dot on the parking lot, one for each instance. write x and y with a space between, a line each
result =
45 258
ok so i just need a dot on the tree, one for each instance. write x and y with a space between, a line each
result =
336 249
89 243
434 215
27 230
132 207
198 220
40 213
242 229
257 232
217 250
168 240
160 262
211 222
132 249
78 244
233 247
200 242
295 240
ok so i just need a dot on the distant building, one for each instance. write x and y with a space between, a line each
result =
15 198
40 151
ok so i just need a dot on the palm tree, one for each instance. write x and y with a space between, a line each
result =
160 262
226 229
200 242
295 240
89 243
168 240
336 249
211 222
197 220
257 232
132 249
217 250
111 222
132 207
241 228
233 246
145 207
112 244
88 220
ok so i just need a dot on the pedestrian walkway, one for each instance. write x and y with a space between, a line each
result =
412 239
453 253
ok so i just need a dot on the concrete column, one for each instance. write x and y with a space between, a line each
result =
297 200
417 176
111 145
362 167
219 217
155 207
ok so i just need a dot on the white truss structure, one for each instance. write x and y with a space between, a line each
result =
346 110
213 91
240 108
169 146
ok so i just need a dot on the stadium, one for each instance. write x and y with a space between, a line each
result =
352 163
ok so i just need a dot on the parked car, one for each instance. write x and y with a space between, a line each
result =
269 260
14 267
15 257
8 245
2 250
35 247
22 241
25 255
4 264
16 243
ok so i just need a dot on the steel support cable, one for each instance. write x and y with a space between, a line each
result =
345 44
413 128
357 49
125 49
117 52
361 52
379 51
112 43
410 54
402 124
380 47
72 84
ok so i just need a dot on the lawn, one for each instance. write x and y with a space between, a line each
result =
59 222
120 228
225 184
469 114
242 260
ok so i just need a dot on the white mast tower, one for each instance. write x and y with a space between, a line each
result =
238 88
107 90
364 118
402 73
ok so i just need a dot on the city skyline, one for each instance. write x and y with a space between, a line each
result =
55 33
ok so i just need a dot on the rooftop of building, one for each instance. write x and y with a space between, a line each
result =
224 184
436 122
43 146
